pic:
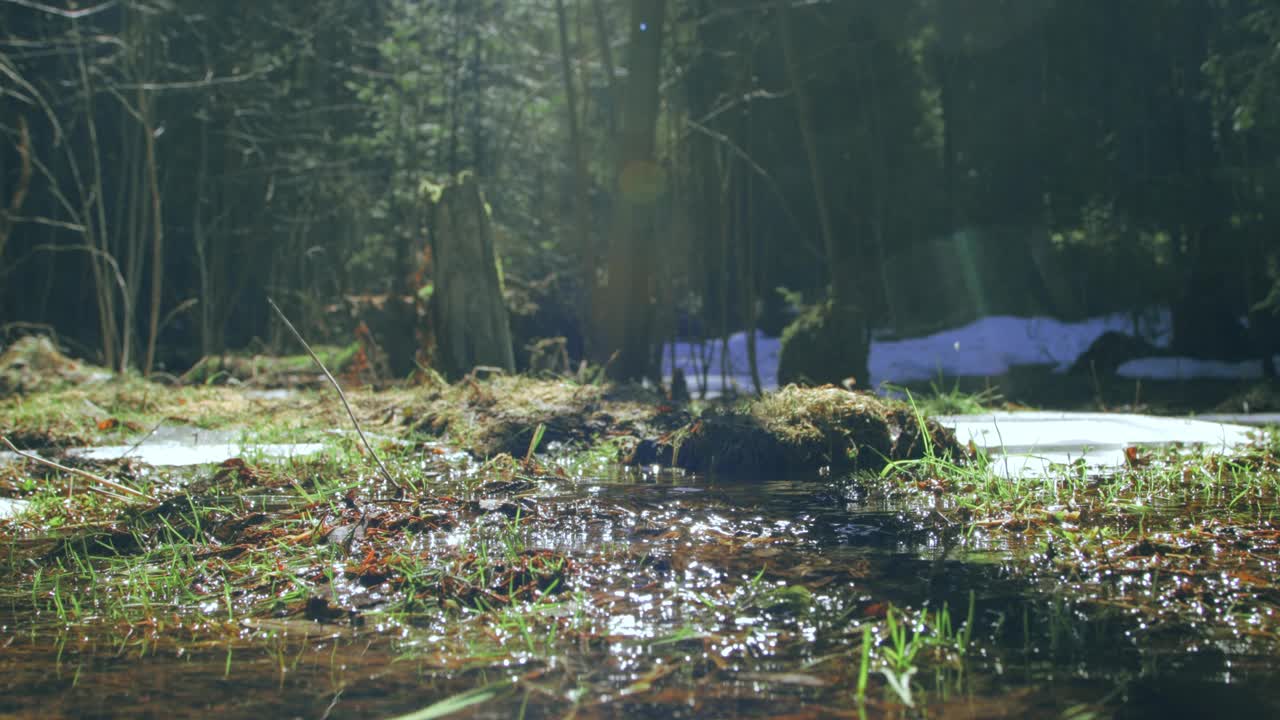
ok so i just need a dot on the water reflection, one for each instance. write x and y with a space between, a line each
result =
686 596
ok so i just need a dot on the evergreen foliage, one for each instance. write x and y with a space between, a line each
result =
167 164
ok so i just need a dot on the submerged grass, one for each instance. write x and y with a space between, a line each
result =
1185 538
253 552
525 583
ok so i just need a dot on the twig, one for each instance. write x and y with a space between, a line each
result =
341 395
143 439
67 14
125 489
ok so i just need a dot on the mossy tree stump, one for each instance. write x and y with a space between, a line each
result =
827 343
467 308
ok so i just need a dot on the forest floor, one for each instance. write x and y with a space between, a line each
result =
545 547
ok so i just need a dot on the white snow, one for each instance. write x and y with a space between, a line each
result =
1245 418
1032 431
171 455
1184 368
175 446
1029 443
10 507
991 345
691 356
988 346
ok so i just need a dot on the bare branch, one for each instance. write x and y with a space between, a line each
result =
10 72
208 81
738 152
103 255
62 13
47 222
341 395
123 489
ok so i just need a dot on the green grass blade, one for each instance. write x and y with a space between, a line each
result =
458 702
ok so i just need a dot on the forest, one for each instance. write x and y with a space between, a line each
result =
654 170
799 359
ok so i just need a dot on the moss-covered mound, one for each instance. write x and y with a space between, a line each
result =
286 371
799 430
827 343
34 364
795 429
502 414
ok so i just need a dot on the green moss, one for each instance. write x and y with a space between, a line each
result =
501 414
827 343
799 430
269 370
34 364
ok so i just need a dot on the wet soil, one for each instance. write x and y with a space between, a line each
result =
637 595
537 577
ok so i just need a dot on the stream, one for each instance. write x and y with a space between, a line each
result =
648 593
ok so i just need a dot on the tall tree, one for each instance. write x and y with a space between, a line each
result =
629 313
577 160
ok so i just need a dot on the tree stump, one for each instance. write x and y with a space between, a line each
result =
827 343
467 307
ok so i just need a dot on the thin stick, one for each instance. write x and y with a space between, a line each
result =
143 439
125 489
341 395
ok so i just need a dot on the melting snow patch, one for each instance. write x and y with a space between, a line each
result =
175 446
161 455
1183 368
691 357
1029 443
10 507
986 347
991 345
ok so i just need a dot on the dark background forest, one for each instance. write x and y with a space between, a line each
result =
654 168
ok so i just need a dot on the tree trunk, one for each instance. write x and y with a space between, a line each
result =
628 317
115 353
587 259
469 315
839 289
157 230
19 195
606 56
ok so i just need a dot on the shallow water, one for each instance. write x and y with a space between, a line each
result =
684 596
10 507
177 446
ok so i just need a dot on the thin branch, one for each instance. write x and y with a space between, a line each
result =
341 395
12 73
24 183
63 13
49 222
106 257
181 308
123 489
776 189
209 80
